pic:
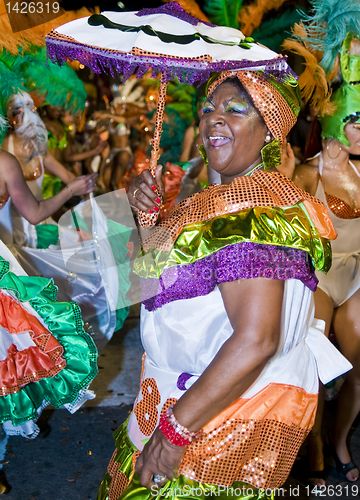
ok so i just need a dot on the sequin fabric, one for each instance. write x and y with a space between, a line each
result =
341 209
262 189
173 9
35 174
276 112
241 261
146 219
259 452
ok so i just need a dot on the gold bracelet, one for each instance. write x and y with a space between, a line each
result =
71 191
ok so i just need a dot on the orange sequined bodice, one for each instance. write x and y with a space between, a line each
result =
340 208
35 174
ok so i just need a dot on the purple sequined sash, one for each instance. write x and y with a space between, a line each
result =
240 261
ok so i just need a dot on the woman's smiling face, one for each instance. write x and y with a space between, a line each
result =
232 130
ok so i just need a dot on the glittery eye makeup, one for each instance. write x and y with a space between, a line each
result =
237 105
208 106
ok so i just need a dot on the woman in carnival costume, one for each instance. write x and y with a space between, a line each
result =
35 245
330 45
229 384
45 355
27 137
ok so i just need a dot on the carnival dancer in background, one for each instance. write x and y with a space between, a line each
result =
330 44
36 246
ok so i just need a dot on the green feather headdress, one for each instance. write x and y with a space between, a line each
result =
11 82
58 85
273 31
328 25
327 39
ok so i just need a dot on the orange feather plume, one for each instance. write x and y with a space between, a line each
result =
250 16
313 81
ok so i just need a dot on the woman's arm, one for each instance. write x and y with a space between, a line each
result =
99 115
97 150
254 310
29 207
56 168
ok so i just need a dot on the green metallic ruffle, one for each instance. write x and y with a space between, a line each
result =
63 320
181 488
289 227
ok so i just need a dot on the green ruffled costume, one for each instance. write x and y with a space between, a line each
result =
63 320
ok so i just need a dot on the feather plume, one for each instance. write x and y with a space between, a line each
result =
192 8
250 17
59 85
272 32
33 36
313 81
11 82
328 24
223 12
182 97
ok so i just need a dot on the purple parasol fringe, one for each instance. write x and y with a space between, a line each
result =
190 71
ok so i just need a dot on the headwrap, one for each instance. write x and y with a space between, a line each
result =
277 102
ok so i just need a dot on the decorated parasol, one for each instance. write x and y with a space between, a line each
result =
166 40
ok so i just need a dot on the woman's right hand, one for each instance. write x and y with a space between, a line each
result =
83 184
141 193
287 166
159 456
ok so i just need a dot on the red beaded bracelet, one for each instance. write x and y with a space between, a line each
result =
173 431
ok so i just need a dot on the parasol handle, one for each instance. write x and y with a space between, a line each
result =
147 220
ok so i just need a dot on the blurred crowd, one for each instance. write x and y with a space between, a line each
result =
112 136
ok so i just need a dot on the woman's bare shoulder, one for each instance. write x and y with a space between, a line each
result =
5 156
8 163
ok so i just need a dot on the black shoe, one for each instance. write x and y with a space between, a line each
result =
342 468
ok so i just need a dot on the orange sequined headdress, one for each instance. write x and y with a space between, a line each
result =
278 103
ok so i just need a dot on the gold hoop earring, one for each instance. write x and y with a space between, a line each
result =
328 149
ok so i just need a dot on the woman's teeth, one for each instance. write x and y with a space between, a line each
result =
217 141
